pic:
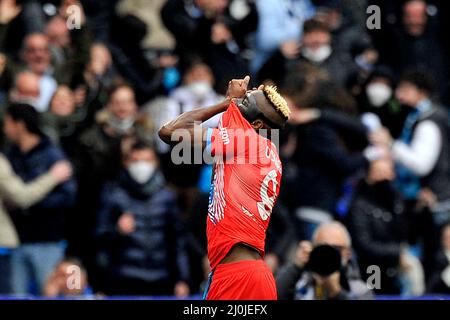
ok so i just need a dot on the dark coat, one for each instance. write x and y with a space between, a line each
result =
377 225
402 51
192 32
44 221
155 251
438 179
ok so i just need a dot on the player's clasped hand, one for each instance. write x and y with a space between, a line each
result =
237 87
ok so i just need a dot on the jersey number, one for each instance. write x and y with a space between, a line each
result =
266 205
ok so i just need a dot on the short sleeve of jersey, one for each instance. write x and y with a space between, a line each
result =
224 141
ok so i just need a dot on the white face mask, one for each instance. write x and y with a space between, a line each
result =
141 171
378 94
122 126
200 88
319 55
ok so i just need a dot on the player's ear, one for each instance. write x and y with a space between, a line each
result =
257 124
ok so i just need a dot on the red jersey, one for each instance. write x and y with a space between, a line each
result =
246 182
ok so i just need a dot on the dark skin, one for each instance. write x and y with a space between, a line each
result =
190 121
264 106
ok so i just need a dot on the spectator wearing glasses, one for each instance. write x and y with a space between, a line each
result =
36 57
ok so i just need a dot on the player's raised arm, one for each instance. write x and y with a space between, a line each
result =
190 121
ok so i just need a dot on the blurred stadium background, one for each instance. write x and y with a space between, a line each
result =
367 147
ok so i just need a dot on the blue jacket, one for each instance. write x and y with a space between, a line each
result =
44 221
155 251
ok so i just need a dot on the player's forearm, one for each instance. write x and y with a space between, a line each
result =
188 120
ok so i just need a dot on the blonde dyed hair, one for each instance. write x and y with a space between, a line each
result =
277 101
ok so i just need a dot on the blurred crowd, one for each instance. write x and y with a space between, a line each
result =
88 190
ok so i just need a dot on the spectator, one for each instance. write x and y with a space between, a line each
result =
179 54
412 42
100 144
377 224
421 154
41 226
421 148
100 74
296 282
349 39
58 36
213 31
99 77
316 49
68 279
139 229
98 156
128 55
17 19
377 97
37 58
64 121
159 40
26 89
322 158
14 192
69 47
440 281
197 91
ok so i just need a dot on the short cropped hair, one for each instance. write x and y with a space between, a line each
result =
27 114
312 25
420 79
